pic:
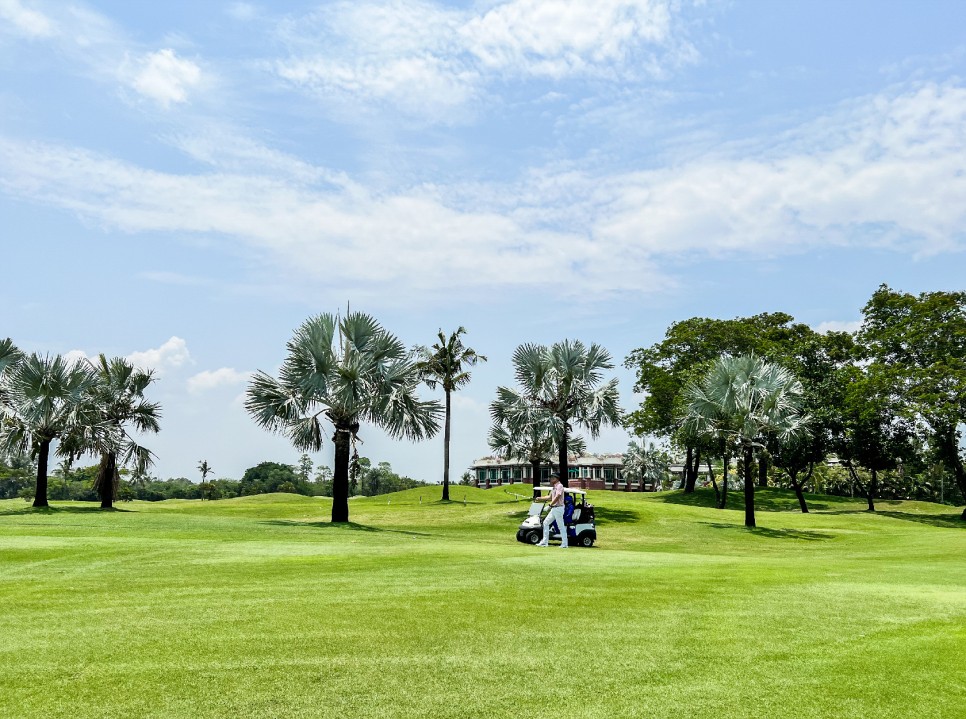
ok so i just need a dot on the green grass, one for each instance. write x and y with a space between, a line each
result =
258 607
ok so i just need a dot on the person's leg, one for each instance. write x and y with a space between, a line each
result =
546 530
561 525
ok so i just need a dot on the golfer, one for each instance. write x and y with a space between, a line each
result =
556 513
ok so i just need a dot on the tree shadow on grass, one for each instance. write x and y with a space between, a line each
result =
949 521
343 526
769 499
802 534
609 515
59 510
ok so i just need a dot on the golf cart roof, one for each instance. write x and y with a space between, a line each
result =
568 490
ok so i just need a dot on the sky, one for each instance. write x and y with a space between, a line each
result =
184 183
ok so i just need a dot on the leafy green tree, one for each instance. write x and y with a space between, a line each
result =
875 434
345 371
445 364
919 343
267 477
563 384
744 400
305 467
117 397
45 399
689 347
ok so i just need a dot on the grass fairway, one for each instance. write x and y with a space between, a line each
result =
257 607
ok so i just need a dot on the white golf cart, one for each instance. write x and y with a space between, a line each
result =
578 516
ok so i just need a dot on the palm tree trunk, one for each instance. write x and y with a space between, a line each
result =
749 490
340 477
40 493
446 451
106 481
562 461
762 470
535 472
717 492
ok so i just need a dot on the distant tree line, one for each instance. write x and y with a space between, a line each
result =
79 484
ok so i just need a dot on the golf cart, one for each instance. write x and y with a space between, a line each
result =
578 516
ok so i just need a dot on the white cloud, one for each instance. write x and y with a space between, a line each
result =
165 78
839 326
213 379
430 61
886 171
171 355
25 21
243 11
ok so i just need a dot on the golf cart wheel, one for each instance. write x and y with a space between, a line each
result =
585 540
533 537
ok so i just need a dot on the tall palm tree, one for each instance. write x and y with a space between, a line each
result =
744 400
522 430
347 371
562 380
444 363
44 399
118 397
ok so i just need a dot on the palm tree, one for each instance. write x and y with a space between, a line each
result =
647 462
744 400
118 396
522 430
444 363
205 470
346 371
562 381
44 399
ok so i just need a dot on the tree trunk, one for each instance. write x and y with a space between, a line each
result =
43 455
949 449
691 465
749 490
535 471
717 493
340 477
762 470
871 493
793 476
562 459
106 481
724 486
446 451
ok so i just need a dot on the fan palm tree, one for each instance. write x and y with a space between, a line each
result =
205 470
347 371
647 462
742 401
444 363
562 381
44 399
524 431
118 397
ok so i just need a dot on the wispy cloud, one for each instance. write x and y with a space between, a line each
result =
436 63
884 171
24 20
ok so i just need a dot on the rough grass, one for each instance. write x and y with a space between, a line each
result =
258 607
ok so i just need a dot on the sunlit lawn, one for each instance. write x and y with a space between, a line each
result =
257 607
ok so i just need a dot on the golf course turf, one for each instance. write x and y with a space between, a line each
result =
259 607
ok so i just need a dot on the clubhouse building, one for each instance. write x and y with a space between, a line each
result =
588 471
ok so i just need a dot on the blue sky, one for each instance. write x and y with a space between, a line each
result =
183 183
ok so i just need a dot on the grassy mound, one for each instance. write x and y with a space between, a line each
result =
258 607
